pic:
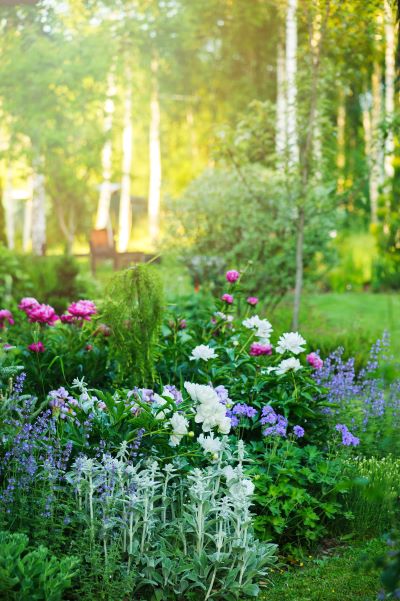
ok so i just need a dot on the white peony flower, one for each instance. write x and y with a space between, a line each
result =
211 415
209 443
263 329
180 426
288 365
292 342
200 392
224 425
203 351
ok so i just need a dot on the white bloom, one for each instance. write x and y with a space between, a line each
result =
262 327
224 425
166 393
292 342
180 426
209 443
210 411
203 351
287 365
201 393
211 415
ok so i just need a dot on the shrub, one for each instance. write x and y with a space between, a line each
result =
32 574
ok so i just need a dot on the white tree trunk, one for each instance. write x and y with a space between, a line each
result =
376 158
9 209
103 208
281 103
38 212
390 74
125 216
341 141
154 157
291 79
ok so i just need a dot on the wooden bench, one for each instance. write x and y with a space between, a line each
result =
102 246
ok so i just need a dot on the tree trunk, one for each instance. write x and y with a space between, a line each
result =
155 156
38 211
376 162
291 79
27 228
281 104
9 209
341 141
125 214
299 268
103 208
390 75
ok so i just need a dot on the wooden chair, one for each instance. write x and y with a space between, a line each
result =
102 246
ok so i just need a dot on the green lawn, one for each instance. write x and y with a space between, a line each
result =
339 577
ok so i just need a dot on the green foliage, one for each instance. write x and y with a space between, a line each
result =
374 494
299 492
54 280
133 312
14 281
32 574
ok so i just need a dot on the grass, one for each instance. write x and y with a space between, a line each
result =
338 577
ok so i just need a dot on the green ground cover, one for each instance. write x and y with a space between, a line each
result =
337 576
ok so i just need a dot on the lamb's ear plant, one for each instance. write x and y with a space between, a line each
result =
186 535
133 312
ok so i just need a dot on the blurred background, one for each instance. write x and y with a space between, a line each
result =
204 135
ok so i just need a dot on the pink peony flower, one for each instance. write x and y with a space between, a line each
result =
227 298
82 309
315 361
37 347
66 318
232 276
42 314
183 324
27 303
6 316
257 349
252 300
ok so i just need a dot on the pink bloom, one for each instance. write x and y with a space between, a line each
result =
232 276
6 316
37 347
257 349
66 318
315 361
42 314
227 298
82 309
27 303
89 347
252 300
183 324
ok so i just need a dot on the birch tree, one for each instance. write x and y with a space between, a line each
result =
125 215
103 208
154 155
38 210
9 209
281 102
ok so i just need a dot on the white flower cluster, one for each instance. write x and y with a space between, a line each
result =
210 412
180 427
262 328
203 351
291 342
